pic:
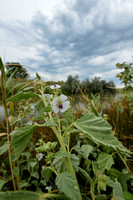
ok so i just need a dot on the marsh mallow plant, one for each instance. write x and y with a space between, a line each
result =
81 161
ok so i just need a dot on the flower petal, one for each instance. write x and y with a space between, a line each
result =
55 108
66 105
62 98
55 101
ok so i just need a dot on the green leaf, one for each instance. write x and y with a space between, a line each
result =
18 86
16 171
46 147
46 109
2 182
75 161
87 149
37 75
39 105
40 117
22 96
127 196
49 124
21 138
32 163
67 185
59 161
123 181
15 120
1 63
80 151
22 195
99 131
46 173
23 184
117 191
9 81
105 161
102 181
35 175
69 117
114 173
86 175
3 148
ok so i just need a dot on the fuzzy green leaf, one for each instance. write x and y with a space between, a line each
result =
105 161
127 196
2 182
68 116
46 173
46 109
78 149
117 191
86 175
22 96
39 105
59 161
3 148
87 149
99 131
23 195
67 185
49 124
21 138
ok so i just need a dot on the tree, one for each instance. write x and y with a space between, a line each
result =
71 85
126 76
16 70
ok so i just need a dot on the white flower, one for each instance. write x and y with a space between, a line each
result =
55 86
29 123
12 132
39 156
60 104
48 187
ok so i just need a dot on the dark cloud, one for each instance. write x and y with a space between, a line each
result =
86 38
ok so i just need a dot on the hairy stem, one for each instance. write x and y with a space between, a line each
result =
62 144
7 123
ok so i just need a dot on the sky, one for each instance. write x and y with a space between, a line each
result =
58 38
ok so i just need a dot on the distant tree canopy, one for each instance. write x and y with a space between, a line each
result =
16 70
73 86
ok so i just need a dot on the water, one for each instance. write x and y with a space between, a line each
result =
2 113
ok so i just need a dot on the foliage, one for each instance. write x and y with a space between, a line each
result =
37 165
126 76
16 70
73 86
120 116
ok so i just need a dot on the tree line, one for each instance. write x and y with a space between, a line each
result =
72 86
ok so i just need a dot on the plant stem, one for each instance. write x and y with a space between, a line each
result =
125 164
7 124
61 141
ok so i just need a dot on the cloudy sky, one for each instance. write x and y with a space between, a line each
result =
57 38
